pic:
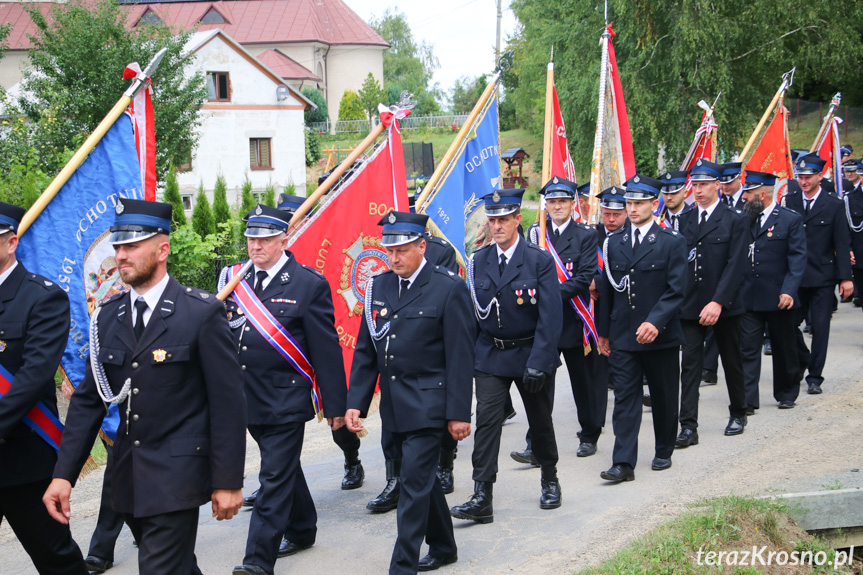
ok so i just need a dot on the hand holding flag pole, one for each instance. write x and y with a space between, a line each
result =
73 164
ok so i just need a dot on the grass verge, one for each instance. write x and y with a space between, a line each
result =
731 525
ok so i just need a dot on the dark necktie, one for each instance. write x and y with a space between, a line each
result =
673 222
259 285
140 308
404 285
808 205
760 220
502 265
703 219
637 243
556 233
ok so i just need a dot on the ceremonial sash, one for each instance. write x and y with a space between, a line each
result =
584 311
276 335
40 419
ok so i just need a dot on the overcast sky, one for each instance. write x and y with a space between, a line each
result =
461 31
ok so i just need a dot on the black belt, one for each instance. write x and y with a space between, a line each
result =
508 343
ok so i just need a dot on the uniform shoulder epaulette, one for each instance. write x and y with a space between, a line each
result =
443 271
314 271
198 294
671 231
585 226
534 246
618 231
833 197
42 281
738 210
113 298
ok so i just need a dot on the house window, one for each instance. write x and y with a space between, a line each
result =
260 154
218 87
149 18
187 202
213 17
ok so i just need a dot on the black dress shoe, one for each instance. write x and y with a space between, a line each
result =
586 449
290 548
354 475
447 481
249 570
527 457
388 499
250 500
708 378
768 348
806 328
506 418
480 507
618 473
97 564
750 411
686 438
786 404
814 389
735 425
429 563
551 497
660 463
646 401
858 302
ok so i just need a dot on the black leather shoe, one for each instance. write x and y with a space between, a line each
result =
249 570
388 499
768 348
660 463
735 425
646 401
786 404
479 508
551 497
814 389
429 563
97 564
290 548
750 411
858 302
806 328
686 438
250 500
506 418
354 475
708 378
527 457
586 449
618 473
447 481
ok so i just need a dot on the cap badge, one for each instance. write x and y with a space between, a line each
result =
120 207
258 210
555 180
392 218
698 163
667 176
636 179
496 197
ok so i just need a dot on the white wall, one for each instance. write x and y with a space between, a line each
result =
347 68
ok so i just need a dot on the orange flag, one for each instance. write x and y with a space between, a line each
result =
773 153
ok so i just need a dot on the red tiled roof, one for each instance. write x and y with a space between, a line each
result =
248 21
285 67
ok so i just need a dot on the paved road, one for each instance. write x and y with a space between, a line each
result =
818 445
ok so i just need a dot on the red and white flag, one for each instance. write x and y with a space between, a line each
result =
141 111
830 153
562 165
703 147
773 153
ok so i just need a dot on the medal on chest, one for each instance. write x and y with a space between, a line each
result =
519 300
532 294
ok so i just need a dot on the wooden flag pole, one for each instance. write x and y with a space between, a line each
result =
831 111
91 142
787 79
546 146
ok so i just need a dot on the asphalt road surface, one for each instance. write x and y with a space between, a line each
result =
817 445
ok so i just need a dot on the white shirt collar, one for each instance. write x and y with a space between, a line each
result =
416 273
736 197
678 212
554 226
8 272
271 272
643 228
766 212
812 199
152 297
709 210
508 253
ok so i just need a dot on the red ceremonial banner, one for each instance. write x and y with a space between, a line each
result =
562 165
773 154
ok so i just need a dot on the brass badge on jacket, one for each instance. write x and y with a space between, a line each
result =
159 355
2 346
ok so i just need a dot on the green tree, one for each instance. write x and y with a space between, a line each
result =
202 216
270 195
221 211
670 55
75 76
313 147
370 96
350 108
466 92
248 198
319 114
172 196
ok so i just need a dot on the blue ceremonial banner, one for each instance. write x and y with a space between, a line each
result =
455 206
68 242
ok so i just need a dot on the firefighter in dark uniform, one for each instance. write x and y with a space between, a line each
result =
854 213
35 311
575 245
283 297
828 255
673 196
162 353
777 259
641 290
416 306
516 299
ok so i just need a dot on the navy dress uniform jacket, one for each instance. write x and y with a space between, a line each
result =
531 268
855 208
657 283
425 360
440 252
716 272
187 434
828 239
34 327
776 262
576 247
300 299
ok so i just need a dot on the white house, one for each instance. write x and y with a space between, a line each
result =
252 123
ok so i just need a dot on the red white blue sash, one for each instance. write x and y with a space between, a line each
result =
40 419
276 335
584 310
